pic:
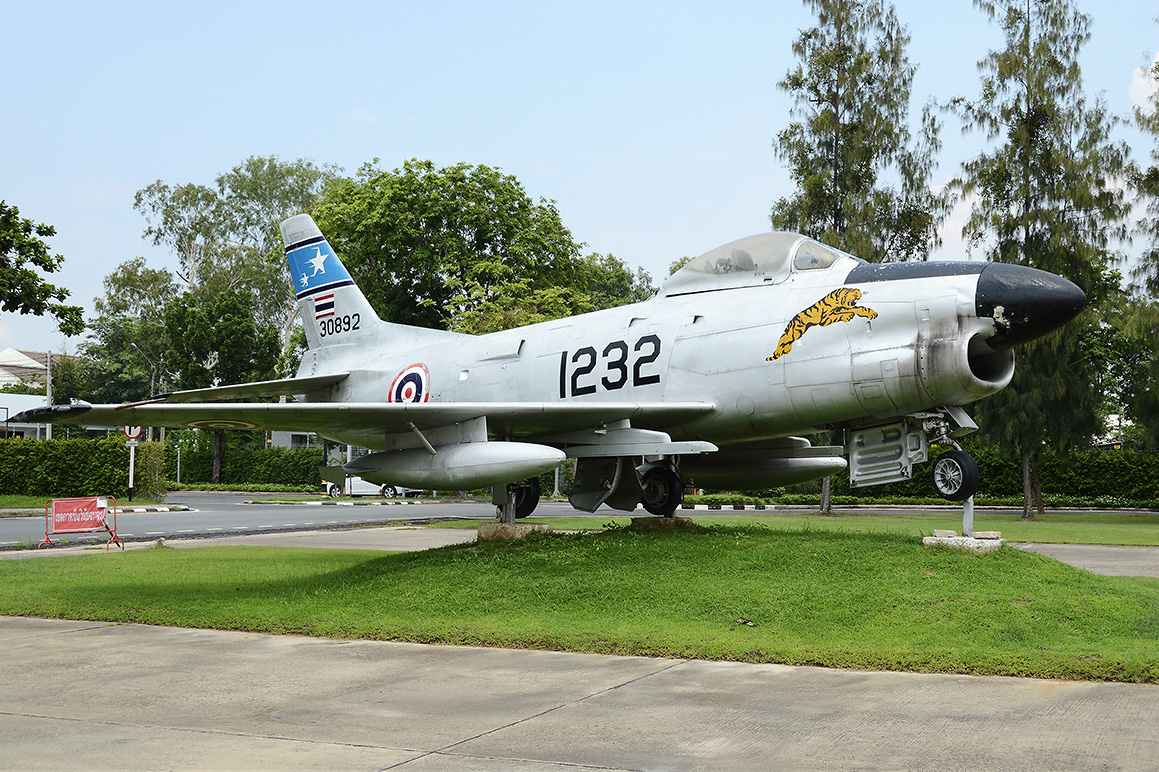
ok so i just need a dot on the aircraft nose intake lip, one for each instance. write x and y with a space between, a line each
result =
1025 303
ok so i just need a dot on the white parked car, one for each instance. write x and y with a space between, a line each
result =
356 486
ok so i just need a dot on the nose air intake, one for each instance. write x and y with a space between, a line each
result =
1025 303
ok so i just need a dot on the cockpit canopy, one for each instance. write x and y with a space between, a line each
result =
766 258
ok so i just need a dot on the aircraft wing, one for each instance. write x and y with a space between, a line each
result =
278 388
508 419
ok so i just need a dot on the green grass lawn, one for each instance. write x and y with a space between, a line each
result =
14 501
1054 528
755 594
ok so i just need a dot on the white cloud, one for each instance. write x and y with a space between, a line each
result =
1144 88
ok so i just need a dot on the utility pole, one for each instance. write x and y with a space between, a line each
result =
48 393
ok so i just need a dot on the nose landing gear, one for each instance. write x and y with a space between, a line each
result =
956 475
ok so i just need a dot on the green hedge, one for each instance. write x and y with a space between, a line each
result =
245 465
80 467
1123 474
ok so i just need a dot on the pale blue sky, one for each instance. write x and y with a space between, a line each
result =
649 123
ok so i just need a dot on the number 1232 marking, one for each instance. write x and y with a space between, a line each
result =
576 369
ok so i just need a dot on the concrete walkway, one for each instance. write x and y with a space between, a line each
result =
96 696
392 538
1107 559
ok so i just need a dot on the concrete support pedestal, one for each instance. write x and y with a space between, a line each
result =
509 531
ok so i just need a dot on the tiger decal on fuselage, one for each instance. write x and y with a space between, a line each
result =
840 305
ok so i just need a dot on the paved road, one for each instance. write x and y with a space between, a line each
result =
227 513
95 696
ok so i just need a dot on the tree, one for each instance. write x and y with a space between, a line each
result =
461 247
611 283
227 237
216 342
126 341
1145 182
188 219
1045 196
1142 322
862 182
22 254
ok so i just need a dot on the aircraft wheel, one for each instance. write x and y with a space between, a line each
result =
663 491
956 475
526 497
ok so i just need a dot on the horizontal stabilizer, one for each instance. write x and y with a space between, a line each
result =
278 388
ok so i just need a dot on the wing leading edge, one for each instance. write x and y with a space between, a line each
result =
510 420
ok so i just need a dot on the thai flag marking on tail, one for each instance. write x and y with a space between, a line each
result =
323 306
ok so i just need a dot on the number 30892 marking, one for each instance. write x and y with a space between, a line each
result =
336 324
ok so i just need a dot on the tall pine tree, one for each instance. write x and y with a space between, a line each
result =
1044 195
862 180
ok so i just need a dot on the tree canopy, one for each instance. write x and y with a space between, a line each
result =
463 247
23 255
862 181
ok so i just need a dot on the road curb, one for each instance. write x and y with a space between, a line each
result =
338 503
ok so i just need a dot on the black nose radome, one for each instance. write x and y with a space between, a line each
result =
1025 303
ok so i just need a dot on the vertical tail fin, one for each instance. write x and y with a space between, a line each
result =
334 310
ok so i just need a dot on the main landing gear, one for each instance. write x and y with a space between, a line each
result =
663 491
516 500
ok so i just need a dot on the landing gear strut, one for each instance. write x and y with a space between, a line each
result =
517 499
526 497
663 491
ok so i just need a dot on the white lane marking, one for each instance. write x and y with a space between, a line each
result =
153 533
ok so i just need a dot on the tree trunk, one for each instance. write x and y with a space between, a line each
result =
827 496
1027 484
1036 488
218 435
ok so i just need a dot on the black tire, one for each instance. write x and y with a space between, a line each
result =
526 497
956 475
663 491
333 491
387 492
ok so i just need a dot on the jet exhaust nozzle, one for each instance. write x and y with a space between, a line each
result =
1025 303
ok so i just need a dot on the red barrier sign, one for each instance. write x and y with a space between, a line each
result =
82 515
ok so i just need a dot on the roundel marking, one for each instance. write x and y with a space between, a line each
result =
411 385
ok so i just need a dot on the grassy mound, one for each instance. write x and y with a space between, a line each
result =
733 593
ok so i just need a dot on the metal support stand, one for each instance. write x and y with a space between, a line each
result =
968 517
503 497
